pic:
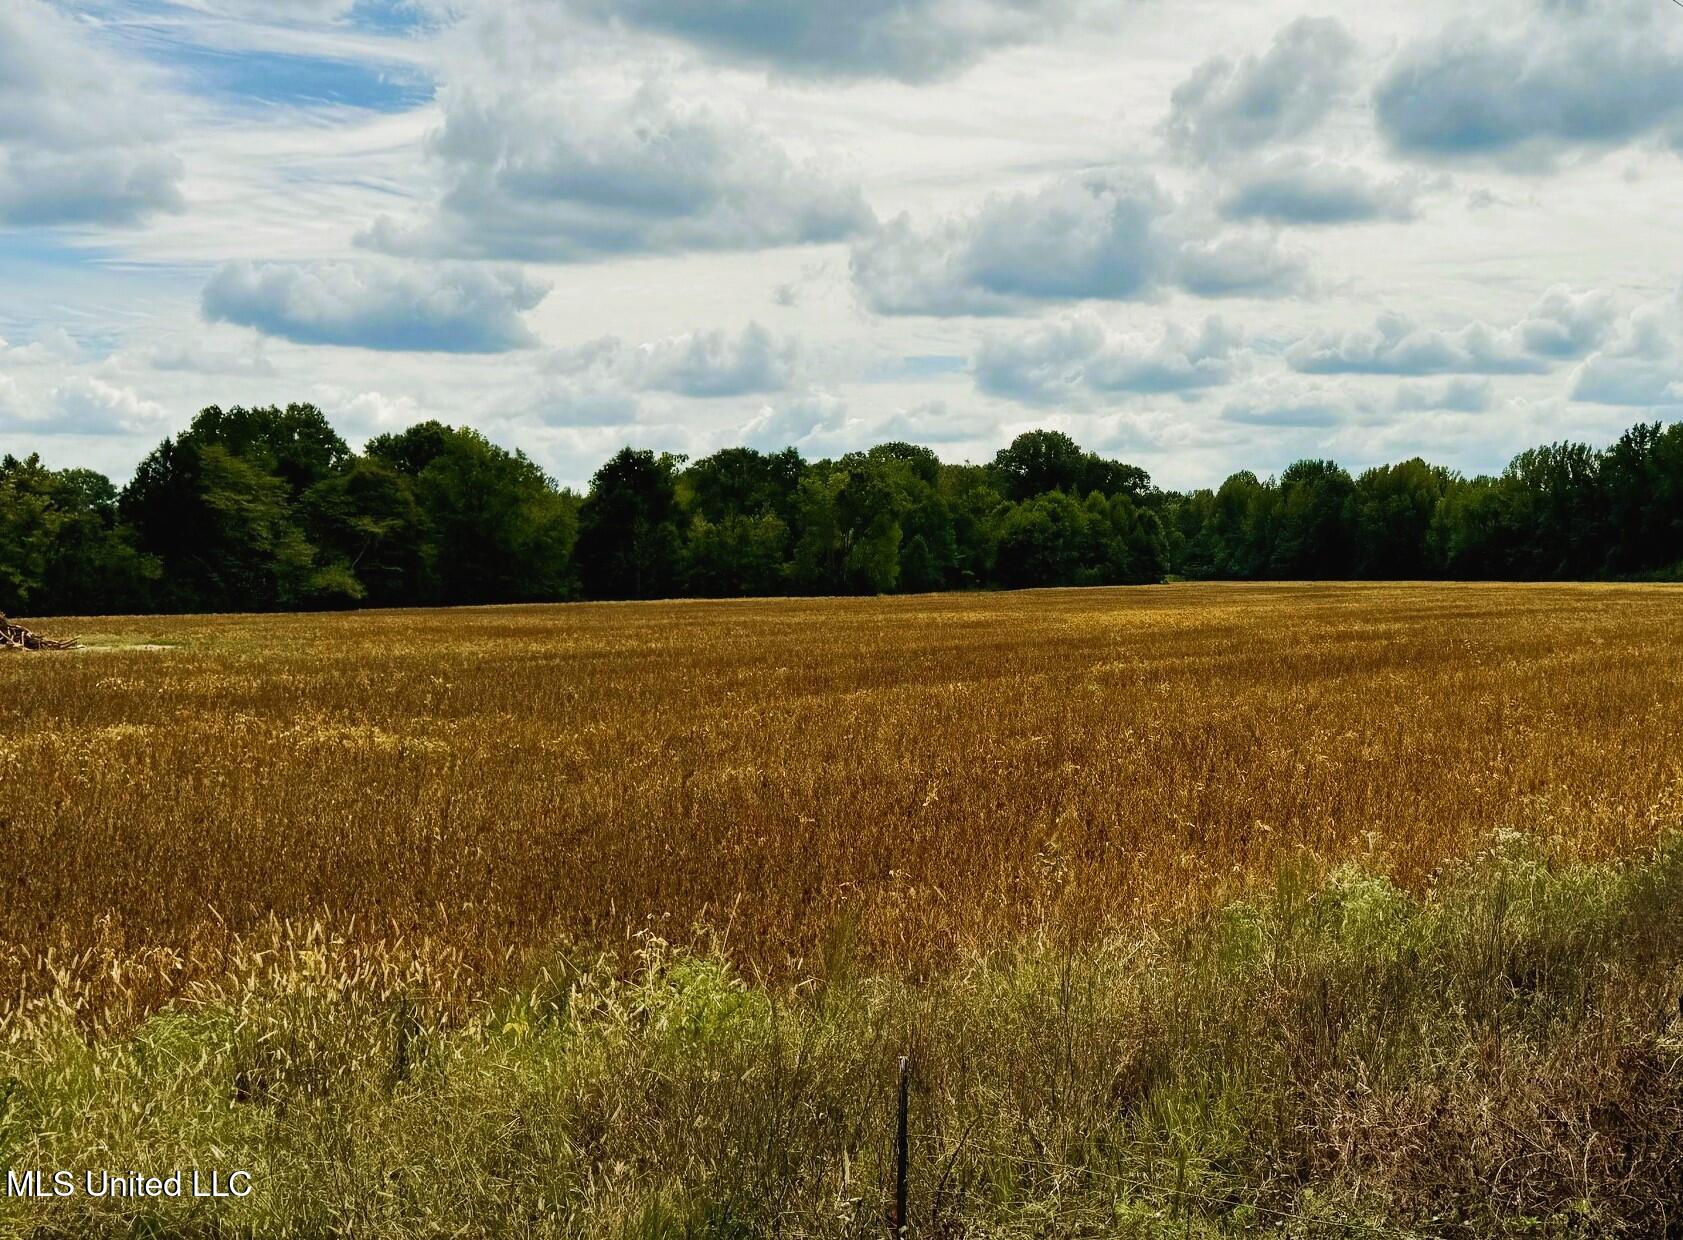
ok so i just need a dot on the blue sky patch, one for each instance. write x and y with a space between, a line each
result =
271 78
389 17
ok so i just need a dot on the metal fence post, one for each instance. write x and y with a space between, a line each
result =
902 1148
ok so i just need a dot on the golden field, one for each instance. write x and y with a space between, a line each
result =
892 782
1198 911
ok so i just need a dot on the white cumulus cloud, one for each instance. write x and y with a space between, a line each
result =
1303 190
1080 354
1643 362
1588 74
910 40
1235 105
1110 235
84 137
436 307
1562 324
561 174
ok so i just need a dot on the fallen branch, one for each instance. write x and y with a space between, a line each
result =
16 637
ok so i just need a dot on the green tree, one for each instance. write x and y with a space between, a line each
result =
873 560
884 489
498 530
365 520
1472 536
928 549
29 527
296 443
1126 542
1038 462
823 541
1642 489
1042 542
62 549
1310 535
735 556
1390 516
1555 506
628 545
742 482
1188 521
265 507
214 506
851 517
1241 527
974 508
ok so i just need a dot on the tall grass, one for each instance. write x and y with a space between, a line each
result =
1502 1055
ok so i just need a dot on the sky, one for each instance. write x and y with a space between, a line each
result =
1197 236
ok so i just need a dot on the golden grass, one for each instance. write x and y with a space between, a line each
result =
887 782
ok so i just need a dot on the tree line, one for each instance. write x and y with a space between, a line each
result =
269 509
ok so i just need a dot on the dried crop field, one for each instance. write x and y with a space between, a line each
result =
890 783
1200 910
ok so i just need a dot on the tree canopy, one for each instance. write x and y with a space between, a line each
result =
268 508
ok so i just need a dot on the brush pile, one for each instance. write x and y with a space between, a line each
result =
16 637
